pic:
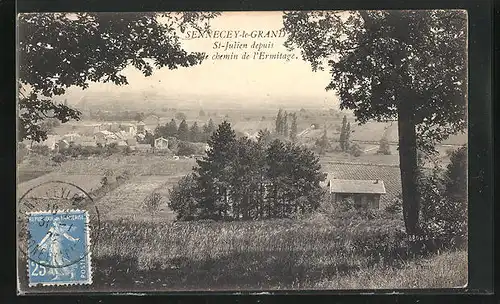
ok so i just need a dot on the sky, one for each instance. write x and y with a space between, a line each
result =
265 81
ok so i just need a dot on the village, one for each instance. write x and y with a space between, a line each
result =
131 136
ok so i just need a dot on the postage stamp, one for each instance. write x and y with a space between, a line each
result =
59 248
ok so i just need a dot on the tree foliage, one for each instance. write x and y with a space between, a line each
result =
279 122
264 137
384 146
293 127
322 144
285 125
60 50
209 129
387 65
444 203
152 203
195 134
343 135
183 131
242 179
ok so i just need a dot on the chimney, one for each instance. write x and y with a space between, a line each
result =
376 181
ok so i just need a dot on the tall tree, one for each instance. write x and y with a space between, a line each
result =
213 173
183 200
60 50
209 128
347 136
285 125
323 143
279 122
342 139
195 133
170 129
183 131
386 65
293 128
264 137
248 168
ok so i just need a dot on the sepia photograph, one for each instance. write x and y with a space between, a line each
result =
242 151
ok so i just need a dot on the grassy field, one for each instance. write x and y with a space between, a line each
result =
133 164
322 251
87 182
126 200
26 175
446 270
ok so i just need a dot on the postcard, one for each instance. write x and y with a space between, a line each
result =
241 151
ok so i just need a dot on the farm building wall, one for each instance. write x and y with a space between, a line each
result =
363 200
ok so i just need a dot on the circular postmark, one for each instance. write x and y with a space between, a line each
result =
57 224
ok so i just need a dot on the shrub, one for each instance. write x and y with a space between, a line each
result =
41 150
355 150
337 149
182 198
109 177
112 148
152 203
396 206
443 213
186 149
128 150
384 147
59 158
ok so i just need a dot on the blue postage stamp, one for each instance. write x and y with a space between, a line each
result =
59 248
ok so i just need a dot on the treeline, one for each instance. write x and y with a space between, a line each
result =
241 179
184 132
117 115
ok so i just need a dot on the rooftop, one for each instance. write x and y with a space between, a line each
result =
389 174
357 186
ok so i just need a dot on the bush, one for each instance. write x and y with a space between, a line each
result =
59 158
182 198
395 206
112 148
41 150
186 148
355 150
152 203
128 150
109 178
443 215
384 147
337 149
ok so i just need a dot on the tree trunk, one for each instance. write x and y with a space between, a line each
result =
408 165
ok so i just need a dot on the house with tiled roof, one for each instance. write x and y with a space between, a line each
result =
364 193
389 175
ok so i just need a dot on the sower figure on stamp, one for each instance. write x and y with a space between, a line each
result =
53 243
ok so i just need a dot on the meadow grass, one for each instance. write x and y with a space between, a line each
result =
315 252
446 270
26 175
311 253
